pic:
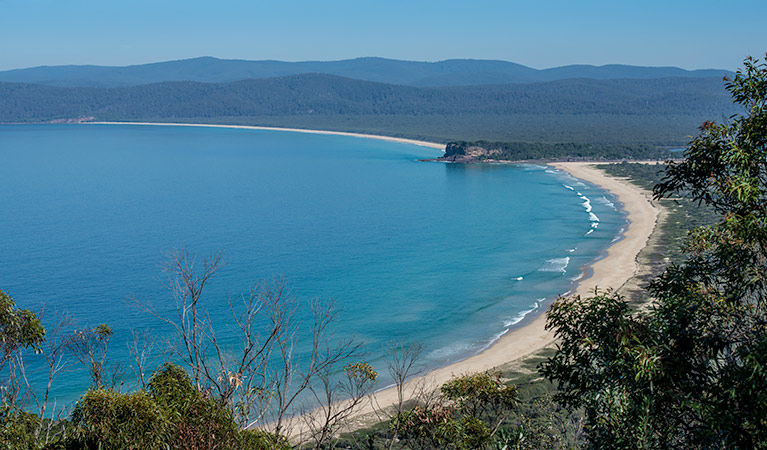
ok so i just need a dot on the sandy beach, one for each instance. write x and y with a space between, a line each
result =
294 130
617 266
613 270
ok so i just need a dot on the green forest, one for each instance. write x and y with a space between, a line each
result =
661 111
682 367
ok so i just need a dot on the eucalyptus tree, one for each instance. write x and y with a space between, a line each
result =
691 370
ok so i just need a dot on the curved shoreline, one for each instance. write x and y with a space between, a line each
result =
434 145
617 265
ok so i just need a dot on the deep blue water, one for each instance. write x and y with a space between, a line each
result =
446 255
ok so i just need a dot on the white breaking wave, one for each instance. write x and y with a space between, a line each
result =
586 203
447 352
556 265
493 340
589 232
518 318
519 278
593 217
572 250
607 202
569 187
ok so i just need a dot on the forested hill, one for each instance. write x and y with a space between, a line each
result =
456 72
328 95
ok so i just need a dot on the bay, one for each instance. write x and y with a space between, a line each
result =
447 255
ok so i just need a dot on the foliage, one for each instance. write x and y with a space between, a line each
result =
688 372
537 421
195 421
105 419
256 439
170 413
429 426
480 393
603 365
470 411
19 328
17 429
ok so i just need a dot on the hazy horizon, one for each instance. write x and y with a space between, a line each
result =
358 57
686 33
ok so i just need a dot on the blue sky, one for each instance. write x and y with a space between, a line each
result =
536 33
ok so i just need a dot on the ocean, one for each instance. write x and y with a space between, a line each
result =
450 256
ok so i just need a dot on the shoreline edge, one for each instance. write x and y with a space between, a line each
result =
420 143
617 266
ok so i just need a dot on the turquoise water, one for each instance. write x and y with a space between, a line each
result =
447 255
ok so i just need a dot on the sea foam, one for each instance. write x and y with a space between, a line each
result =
521 315
607 202
555 265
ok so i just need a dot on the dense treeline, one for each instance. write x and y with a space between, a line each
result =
326 95
524 151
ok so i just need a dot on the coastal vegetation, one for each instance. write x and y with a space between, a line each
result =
483 151
686 369
618 111
689 370
684 213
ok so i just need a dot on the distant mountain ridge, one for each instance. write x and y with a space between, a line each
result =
454 72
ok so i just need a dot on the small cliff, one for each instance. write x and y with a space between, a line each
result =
484 151
463 152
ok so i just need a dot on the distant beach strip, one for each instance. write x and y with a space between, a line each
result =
294 130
